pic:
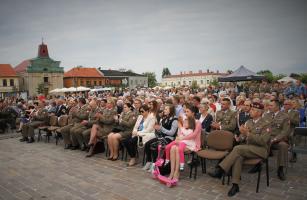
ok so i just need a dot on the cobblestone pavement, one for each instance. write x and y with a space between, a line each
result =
46 171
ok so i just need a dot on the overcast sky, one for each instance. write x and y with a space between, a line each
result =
149 35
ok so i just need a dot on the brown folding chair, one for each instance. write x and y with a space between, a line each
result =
53 121
219 144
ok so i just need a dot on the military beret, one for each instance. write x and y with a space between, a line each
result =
257 105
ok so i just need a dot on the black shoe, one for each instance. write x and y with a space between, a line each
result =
114 159
67 146
31 140
280 174
90 152
74 147
234 189
24 139
294 158
83 148
218 173
255 169
18 131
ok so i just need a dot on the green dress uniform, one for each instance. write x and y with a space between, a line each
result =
79 116
106 122
294 117
256 145
41 118
227 120
280 136
77 131
65 131
127 122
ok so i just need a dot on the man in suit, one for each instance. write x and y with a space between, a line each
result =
280 136
60 108
225 118
38 118
256 136
243 115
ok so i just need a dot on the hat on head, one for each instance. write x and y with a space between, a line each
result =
257 105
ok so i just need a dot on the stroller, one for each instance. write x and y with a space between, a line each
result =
160 144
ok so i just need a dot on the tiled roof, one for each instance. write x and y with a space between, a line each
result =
83 72
7 70
22 66
132 74
111 72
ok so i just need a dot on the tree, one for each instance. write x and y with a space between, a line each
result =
214 82
165 72
267 74
152 81
40 88
229 71
194 85
303 78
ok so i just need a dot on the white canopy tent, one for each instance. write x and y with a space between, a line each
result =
287 79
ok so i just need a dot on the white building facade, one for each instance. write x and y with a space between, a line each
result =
203 79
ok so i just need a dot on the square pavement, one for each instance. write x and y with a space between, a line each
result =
45 171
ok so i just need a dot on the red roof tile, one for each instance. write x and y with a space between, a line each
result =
83 72
7 70
22 66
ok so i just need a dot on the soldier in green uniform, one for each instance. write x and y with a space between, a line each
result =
256 136
85 126
104 125
294 117
38 118
79 116
76 115
225 119
280 136
124 129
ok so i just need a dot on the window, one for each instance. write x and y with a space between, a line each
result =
208 82
100 83
45 69
81 82
190 82
11 82
184 82
45 79
178 82
4 82
95 83
201 82
88 83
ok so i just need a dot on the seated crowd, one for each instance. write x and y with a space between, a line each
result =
259 120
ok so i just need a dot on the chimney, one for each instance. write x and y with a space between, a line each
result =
181 73
200 71
191 72
217 71
207 70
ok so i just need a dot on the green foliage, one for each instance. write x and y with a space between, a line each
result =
165 72
194 85
214 82
303 78
152 81
269 76
40 88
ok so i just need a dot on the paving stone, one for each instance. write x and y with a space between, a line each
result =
46 171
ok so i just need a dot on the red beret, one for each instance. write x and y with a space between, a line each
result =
257 105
